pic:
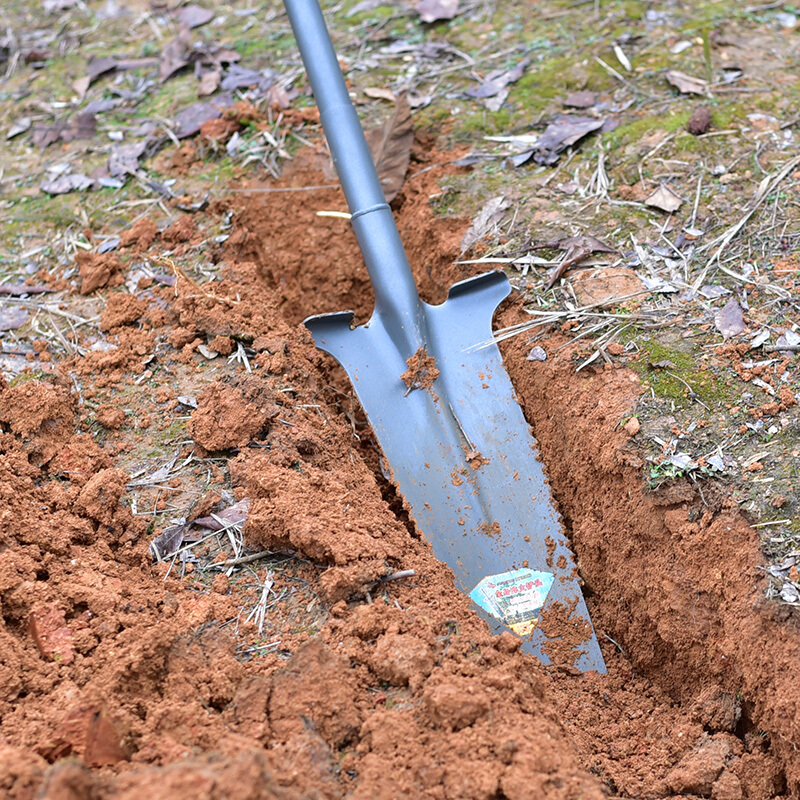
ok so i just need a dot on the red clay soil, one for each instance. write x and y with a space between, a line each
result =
120 683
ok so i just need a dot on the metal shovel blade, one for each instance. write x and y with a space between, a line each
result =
443 409
463 457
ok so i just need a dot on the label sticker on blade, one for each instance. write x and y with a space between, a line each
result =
515 598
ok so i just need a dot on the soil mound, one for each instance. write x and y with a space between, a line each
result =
120 677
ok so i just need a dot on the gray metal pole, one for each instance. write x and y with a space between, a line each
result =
395 292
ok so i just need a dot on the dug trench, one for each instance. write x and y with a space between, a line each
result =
672 576
119 680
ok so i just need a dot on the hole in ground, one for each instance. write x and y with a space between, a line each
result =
672 580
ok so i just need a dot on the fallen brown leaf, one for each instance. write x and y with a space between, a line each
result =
390 145
496 81
729 320
18 289
64 184
564 131
584 99
489 215
175 54
233 515
576 248
686 84
209 82
665 199
193 16
380 94
12 319
189 120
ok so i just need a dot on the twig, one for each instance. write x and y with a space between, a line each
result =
235 562
259 612
396 576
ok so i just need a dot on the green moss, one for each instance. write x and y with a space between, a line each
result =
680 368
636 129
176 430
483 121
556 76
26 377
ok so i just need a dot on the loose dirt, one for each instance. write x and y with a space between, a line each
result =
122 677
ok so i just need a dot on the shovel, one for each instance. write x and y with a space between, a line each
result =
443 408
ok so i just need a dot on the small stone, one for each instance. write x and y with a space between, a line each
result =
537 354
632 426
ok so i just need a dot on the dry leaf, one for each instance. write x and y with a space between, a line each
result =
665 199
209 82
496 81
576 248
562 132
12 318
175 54
193 16
390 145
434 10
189 120
277 97
380 94
167 542
66 183
487 218
233 515
729 320
18 289
124 158
687 84
80 86
20 126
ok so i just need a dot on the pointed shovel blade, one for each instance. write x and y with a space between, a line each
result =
462 454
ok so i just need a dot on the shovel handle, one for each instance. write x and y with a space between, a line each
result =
395 291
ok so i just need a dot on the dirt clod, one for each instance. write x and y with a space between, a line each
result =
316 685
699 769
422 371
457 703
110 417
97 270
225 419
402 659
